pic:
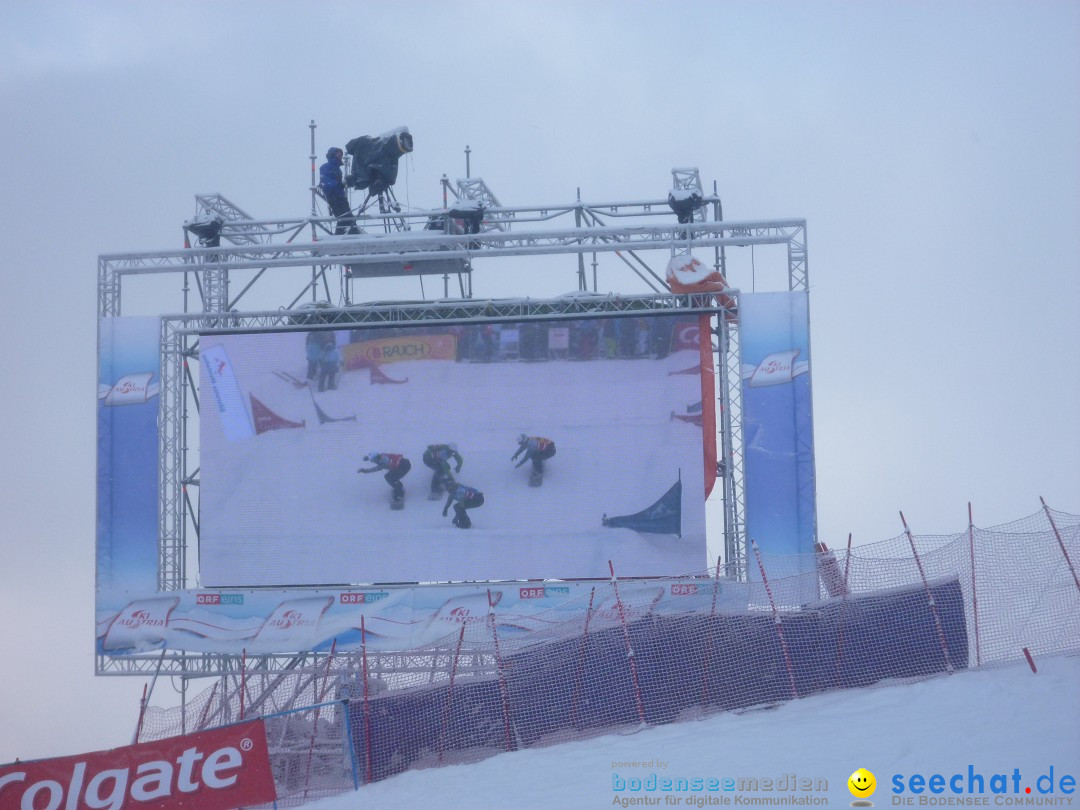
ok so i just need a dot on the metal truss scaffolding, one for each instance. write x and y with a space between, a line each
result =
259 254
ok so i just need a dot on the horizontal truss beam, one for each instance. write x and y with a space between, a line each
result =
206 665
411 247
467 310
522 231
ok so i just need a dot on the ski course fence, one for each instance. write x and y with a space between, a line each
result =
647 652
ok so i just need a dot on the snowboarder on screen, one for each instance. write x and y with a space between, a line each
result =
396 466
463 498
438 458
314 343
329 362
536 449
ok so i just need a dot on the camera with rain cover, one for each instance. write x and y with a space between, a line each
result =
375 159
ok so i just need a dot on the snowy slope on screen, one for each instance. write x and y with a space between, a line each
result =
287 507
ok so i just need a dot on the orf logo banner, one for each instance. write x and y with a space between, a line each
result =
215 770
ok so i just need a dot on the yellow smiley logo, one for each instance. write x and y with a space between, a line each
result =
862 783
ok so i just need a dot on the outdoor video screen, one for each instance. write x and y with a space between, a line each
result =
453 453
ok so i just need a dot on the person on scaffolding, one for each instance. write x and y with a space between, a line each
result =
332 185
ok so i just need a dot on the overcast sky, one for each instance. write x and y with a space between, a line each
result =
932 147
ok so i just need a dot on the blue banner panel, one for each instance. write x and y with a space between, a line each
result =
778 439
129 380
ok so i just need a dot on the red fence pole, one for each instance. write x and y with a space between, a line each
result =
974 592
581 659
243 680
450 692
367 703
929 597
777 621
206 708
638 702
319 693
709 639
142 713
843 611
504 693
1061 542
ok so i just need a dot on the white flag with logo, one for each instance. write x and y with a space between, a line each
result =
141 625
235 421
776 369
295 621
131 389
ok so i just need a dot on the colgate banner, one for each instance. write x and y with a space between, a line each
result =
687 335
215 770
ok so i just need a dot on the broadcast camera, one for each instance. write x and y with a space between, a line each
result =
375 160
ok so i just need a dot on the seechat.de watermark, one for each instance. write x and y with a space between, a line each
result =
974 788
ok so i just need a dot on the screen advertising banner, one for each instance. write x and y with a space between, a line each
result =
452 453
394 617
777 423
217 769
127 454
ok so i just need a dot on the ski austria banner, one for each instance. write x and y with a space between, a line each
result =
397 617
127 453
214 770
778 442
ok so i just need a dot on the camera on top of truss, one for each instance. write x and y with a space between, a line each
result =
375 159
463 216
207 228
685 202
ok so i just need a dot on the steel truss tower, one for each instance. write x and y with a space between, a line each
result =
294 261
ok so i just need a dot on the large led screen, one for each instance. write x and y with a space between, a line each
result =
291 420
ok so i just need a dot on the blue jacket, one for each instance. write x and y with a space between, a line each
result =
440 455
534 445
462 494
330 180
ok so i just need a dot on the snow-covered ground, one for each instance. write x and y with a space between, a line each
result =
974 723
618 450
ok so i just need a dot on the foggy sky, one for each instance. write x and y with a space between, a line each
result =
931 147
